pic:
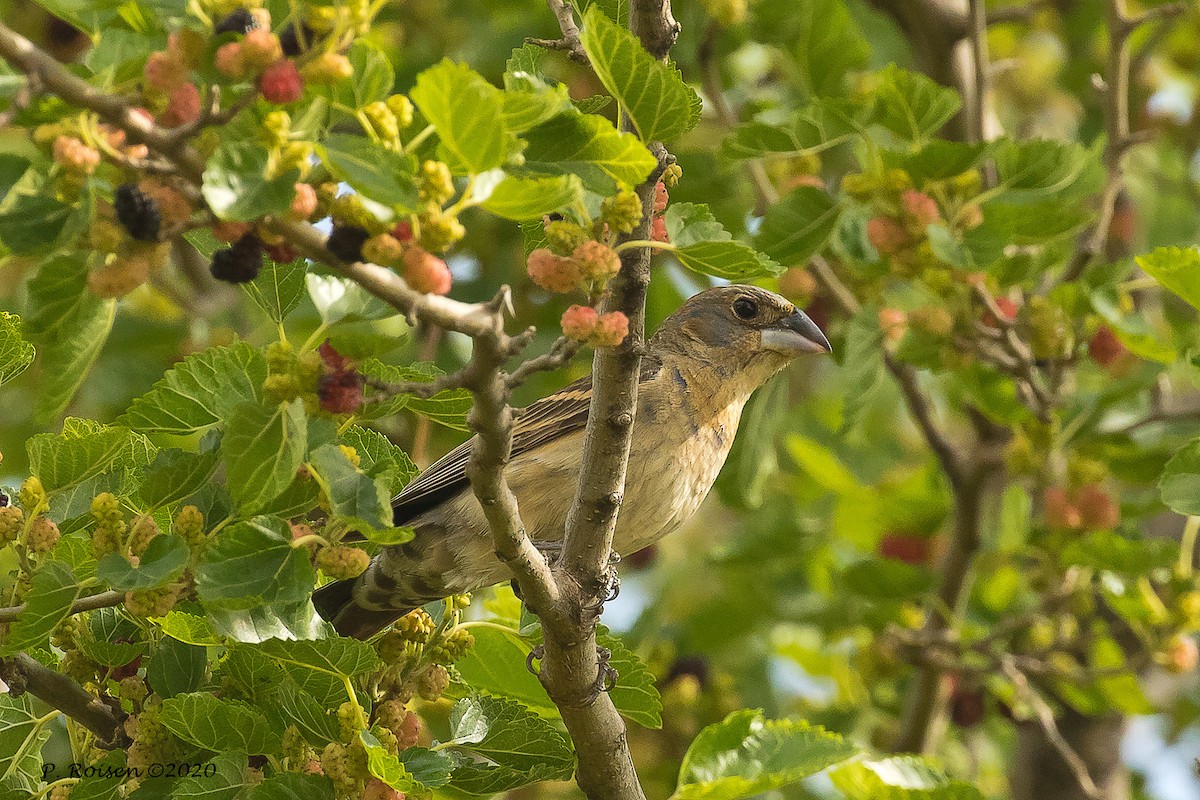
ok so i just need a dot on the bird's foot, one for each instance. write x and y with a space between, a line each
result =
536 654
606 674
550 550
610 586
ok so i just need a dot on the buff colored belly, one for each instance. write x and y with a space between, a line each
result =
673 481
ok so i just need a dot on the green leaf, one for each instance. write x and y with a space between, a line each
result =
797 226
652 93
51 594
22 734
592 105
818 126
355 498
374 171
886 579
251 571
1045 168
223 782
251 672
911 105
339 299
590 147
937 160
262 449
430 768
899 778
527 58
84 451
385 766
746 754
293 786
529 101
448 408
378 456
1180 481
731 260
497 665
1110 551
176 475
336 656
635 694
373 78
111 774
297 707
1177 269
176 667
69 324
467 113
689 223
162 563
216 724
520 199
16 354
32 223
863 365
189 628
822 38
114 640
520 747
199 392
278 289
236 186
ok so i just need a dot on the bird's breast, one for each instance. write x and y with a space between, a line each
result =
673 465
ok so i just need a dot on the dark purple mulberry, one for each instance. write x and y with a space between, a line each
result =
137 212
240 262
346 242
240 21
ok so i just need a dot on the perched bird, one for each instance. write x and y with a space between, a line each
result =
701 367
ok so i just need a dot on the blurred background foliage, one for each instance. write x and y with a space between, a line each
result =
769 597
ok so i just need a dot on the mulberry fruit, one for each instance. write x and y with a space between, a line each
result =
346 242
137 212
239 263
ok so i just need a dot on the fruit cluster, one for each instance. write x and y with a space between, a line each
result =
901 213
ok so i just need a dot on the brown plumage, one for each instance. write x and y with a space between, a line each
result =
702 365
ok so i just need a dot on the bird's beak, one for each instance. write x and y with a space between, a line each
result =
794 335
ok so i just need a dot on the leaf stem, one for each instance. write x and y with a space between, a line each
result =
1187 546
415 142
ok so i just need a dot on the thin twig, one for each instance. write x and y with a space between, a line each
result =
89 603
560 354
569 43
1045 718
1115 86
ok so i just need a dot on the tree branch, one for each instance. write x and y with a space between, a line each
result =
89 603
23 674
1045 717
1115 86
569 43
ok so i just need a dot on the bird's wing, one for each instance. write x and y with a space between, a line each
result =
542 422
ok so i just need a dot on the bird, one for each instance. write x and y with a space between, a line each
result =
699 369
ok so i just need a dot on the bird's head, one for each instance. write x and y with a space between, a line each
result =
741 328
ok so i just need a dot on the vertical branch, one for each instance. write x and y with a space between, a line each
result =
1115 85
573 670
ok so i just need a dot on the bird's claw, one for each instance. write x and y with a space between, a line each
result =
606 674
549 550
610 588
536 654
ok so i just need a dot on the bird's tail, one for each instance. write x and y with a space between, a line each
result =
335 602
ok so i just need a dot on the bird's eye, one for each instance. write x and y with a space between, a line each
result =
745 308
